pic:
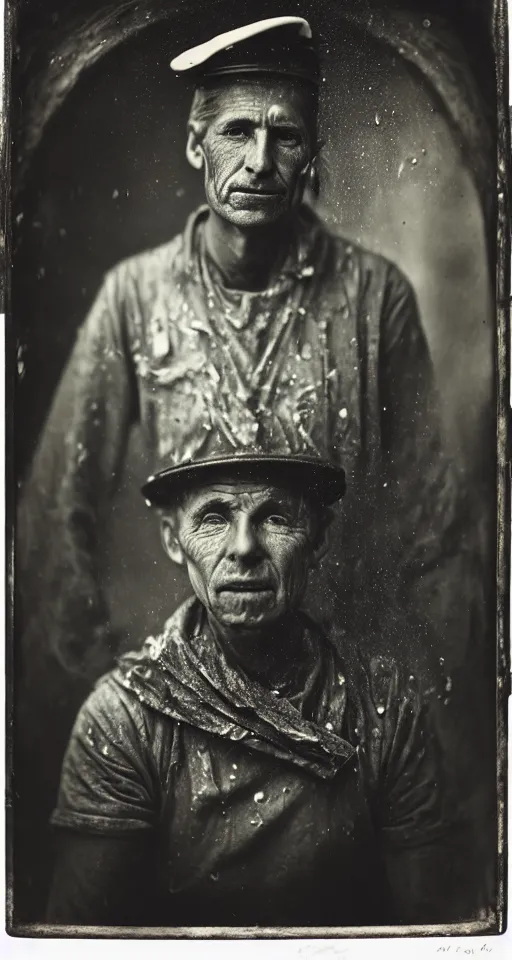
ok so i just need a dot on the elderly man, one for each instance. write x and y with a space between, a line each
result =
237 770
255 307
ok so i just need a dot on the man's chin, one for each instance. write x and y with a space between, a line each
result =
255 216
247 612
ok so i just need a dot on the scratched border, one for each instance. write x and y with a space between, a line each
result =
495 922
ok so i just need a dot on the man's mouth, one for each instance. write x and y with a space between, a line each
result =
245 586
257 191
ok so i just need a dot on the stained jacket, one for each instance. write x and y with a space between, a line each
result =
334 345
324 806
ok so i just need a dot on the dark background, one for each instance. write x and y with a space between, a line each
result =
99 173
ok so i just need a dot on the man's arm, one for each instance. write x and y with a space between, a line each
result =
103 881
107 863
424 841
63 503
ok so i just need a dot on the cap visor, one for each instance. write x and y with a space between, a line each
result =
319 480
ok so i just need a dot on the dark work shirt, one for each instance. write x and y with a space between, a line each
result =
227 804
335 345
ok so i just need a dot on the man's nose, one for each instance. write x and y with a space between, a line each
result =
243 542
258 159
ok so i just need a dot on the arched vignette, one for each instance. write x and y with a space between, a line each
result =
429 48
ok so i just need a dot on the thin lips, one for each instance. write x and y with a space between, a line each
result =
245 585
256 192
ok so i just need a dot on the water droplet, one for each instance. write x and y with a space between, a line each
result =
448 684
307 352
115 194
344 412
232 776
377 119
426 23
307 271
276 693
259 797
414 161
441 659
286 789
214 876
105 751
341 679
381 709
329 726
235 766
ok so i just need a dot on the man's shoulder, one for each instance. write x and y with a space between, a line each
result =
348 251
149 264
110 705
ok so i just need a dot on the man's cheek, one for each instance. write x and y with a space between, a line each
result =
219 165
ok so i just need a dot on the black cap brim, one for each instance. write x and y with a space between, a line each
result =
319 480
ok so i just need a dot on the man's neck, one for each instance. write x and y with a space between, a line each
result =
269 656
247 259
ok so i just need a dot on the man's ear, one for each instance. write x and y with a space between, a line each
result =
170 542
194 150
322 539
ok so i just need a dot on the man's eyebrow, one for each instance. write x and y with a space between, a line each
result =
210 502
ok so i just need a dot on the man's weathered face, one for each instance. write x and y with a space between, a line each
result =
256 150
247 548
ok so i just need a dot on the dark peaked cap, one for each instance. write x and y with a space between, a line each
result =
279 45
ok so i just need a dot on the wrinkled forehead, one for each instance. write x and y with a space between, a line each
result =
243 494
266 98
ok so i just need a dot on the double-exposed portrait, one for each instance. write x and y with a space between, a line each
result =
257 506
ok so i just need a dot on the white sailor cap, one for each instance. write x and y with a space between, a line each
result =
278 45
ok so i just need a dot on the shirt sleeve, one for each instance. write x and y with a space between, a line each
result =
423 839
63 502
109 781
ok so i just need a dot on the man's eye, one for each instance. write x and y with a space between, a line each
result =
288 137
276 520
214 519
236 132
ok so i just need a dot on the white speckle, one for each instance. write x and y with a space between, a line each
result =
344 412
307 352
400 169
341 679
259 796
307 271
235 766
377 119
448 684
105 751
426 23
232 776
414 161
329 726
381 709
115 194
385 484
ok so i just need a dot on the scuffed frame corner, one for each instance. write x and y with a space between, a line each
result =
494 923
